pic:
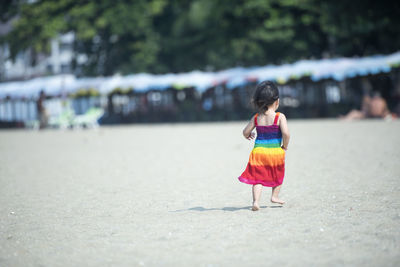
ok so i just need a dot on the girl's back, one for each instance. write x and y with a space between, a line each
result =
266 119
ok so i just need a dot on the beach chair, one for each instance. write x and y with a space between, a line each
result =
32 124
62 121
89 119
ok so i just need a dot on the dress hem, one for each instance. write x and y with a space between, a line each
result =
253 182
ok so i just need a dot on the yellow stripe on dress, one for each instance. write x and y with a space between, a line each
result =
267 157
269 150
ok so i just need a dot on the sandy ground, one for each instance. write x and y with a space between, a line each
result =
168 195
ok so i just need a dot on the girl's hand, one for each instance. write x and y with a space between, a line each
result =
251 136
284 148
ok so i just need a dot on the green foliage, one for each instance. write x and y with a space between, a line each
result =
121 91
173 35
85 93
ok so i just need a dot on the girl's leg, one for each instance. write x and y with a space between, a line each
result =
275 193
256 196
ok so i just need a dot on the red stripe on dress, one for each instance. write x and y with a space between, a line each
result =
264 174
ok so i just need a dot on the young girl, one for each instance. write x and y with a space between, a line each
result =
266 166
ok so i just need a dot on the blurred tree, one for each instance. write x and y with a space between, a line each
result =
176 35
360 27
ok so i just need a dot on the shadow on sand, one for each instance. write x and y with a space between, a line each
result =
224 208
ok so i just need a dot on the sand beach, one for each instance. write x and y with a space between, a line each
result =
168 195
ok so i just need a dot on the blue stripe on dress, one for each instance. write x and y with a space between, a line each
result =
269 135
268 141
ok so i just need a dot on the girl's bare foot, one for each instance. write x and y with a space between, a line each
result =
277 200
255 207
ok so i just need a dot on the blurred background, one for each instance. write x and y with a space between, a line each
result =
78 63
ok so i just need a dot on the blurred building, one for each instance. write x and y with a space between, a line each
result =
27 64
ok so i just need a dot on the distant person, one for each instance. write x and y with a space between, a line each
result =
374 106
41 110
266 166
378 107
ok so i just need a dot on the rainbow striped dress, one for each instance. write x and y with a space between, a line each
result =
266 164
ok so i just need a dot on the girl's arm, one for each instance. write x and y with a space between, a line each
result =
285 131
247 131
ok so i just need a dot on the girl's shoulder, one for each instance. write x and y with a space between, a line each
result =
281 117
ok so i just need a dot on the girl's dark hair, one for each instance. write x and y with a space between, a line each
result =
266 94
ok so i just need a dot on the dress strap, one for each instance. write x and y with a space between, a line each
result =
255 119
276 118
